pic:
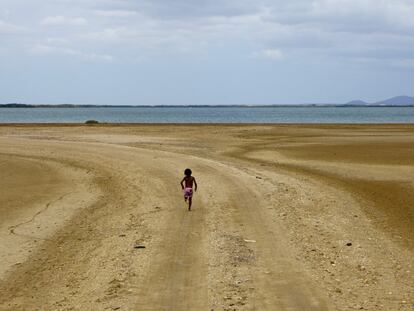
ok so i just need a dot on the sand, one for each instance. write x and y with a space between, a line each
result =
287 217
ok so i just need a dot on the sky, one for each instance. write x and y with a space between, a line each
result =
188 52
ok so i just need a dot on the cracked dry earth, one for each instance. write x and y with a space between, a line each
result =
286 217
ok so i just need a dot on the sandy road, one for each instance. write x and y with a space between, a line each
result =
258 238
176 279
173 273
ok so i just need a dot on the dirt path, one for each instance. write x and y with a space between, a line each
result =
277 283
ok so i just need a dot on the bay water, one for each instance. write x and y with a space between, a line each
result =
210 115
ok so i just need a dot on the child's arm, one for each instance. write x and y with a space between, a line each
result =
182 183
195 185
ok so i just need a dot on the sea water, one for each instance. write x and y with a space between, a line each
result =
210 115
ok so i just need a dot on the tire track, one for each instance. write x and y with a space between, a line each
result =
278 284
177 277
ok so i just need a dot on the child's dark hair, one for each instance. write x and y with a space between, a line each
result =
187 172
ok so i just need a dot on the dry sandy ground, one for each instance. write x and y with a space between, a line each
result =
286 218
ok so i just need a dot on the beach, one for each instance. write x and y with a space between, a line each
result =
286 217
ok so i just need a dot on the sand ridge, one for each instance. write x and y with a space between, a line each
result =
269 230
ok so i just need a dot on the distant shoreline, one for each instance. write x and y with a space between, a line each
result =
20 106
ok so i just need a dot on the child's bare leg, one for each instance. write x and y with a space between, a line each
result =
190 201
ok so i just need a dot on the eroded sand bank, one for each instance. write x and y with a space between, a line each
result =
329 208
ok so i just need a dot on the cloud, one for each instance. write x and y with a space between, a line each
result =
10 29
60 20
189 9
331 29
116 13
273 54
353 16
44 49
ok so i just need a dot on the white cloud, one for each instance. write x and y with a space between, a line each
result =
60 20
44 49
273 54
56 41
115 13
8 28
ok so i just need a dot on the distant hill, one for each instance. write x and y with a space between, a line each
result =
356 102
398 100
394 101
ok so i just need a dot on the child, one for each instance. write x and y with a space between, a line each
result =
188 188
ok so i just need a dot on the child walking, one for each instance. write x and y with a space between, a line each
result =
187 185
